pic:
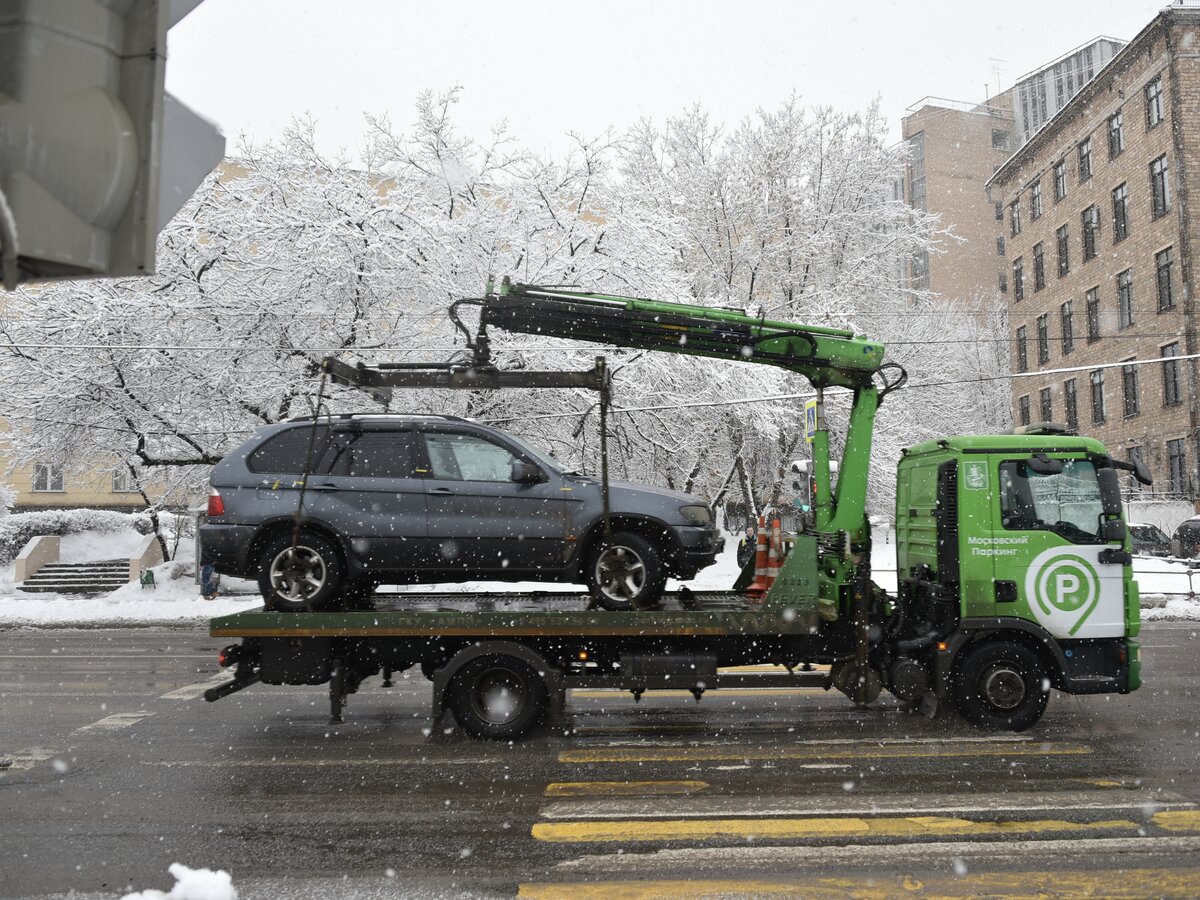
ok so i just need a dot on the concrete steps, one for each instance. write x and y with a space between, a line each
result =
96 577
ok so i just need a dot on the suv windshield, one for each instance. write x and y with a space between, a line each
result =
1068 503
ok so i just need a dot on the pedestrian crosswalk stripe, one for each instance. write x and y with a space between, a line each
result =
816 752
623 788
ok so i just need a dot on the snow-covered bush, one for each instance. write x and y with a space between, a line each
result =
19 529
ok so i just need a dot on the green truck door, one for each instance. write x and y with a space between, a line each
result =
1049 562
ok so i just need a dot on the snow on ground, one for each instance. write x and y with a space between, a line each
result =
192 884
177 600
95 545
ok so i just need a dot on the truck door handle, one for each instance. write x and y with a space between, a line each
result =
1113 555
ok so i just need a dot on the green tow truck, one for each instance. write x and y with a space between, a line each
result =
1014 564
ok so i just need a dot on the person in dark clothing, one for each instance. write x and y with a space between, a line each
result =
746 548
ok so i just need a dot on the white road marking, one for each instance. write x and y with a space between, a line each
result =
698 859
27 759
103 656
759 807
192 691
688 740
115 722
391 761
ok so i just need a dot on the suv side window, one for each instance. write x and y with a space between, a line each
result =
287 451
467 457
369 454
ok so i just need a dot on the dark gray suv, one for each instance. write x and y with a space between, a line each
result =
408 499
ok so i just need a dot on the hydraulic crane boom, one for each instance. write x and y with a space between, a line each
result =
827 357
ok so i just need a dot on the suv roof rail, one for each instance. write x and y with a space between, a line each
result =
377 415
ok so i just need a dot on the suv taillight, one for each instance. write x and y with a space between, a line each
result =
216 506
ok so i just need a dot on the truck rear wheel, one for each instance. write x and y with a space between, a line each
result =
626 574
497 698
1001 685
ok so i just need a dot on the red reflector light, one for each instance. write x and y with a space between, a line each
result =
222 659
216 506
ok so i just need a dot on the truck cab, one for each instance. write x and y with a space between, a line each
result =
1018 539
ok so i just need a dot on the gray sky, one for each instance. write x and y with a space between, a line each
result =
554 67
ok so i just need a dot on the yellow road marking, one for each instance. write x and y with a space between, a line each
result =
1178 820
1118 884
720 754
798 829
1101 782
623 788
611 693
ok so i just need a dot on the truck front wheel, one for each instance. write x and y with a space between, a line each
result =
1001 685
497 698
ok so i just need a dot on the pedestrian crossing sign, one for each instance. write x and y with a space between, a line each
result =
810 420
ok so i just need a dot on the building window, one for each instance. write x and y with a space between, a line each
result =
916 170
48 478
1035 201
1022 351
1039 267
123 481
1060 180
1014 215
1116 135
1130 386
1070 404
999 211
1019 278
1097 397
1085 160
1125 299
1170 374
1160 191
1064 251
1023 410
1162 267
1176 467
1068 328
1091 228
1000 139
1120 198
1046 404
1093 314
1000 245
1043 339
1003 282
1154 106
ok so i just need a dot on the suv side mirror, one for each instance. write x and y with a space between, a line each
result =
526 473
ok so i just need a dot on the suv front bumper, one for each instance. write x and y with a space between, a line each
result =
698 549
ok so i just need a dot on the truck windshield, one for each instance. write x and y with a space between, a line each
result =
1068 503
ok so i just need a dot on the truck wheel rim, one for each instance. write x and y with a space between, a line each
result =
1003 686
298 574
498 696
620 573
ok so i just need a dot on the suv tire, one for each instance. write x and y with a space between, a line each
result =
626 574
309 579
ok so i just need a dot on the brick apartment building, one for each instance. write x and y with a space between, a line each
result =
1099 226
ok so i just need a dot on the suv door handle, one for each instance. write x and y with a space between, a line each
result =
441 491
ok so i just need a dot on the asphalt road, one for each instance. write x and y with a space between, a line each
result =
119 769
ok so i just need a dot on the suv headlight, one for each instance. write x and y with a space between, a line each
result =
696 515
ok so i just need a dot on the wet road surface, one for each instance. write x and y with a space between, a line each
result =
118 769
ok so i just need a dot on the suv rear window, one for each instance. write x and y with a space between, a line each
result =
357 453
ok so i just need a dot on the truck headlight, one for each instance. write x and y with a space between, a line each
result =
696 515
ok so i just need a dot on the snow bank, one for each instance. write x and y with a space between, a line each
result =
1176 608
17 530
192 884
93 545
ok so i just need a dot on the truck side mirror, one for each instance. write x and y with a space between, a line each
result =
526 473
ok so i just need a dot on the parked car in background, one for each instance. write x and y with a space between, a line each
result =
1149 539
1186 540
405 499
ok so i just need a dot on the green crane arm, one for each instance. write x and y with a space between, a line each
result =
827 357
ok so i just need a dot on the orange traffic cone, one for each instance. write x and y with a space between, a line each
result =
775 552
758 586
